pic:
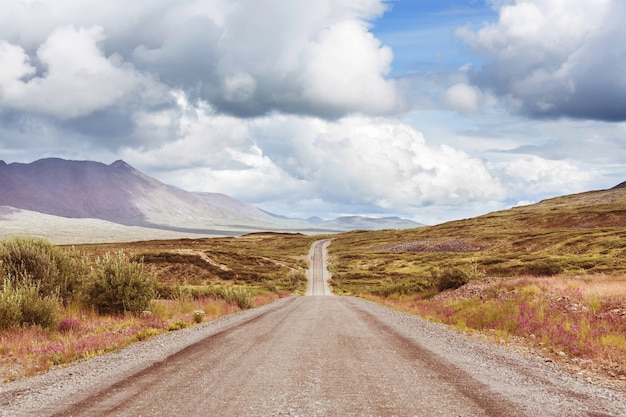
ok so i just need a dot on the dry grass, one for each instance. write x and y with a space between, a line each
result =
81 334
571 320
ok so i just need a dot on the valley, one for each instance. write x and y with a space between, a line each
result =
313 355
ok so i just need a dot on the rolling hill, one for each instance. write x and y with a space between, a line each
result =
122 195
578 235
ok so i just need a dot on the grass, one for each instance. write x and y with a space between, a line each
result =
83 334
572 235
556 316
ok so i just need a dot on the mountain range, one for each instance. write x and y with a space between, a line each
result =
122 195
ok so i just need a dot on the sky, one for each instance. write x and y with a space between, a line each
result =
430 110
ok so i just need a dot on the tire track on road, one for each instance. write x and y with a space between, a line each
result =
318 274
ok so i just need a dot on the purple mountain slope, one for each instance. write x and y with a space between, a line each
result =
122 194
117 192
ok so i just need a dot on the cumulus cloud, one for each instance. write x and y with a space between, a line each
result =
555 58
463 98
353 162
244 57
75 80
530 176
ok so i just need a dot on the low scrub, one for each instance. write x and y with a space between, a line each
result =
451 278
22 304
117 285
554 316
37 261
401 288
236 295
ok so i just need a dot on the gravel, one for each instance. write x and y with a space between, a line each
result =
536 385
27 397
527 384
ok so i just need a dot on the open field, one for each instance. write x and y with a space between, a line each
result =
271 262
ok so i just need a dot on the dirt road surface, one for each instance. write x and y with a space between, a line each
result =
318 274
313 356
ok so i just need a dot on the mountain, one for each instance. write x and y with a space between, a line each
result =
249 211
368 223
121 194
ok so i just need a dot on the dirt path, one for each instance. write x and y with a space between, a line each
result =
314 356
318 274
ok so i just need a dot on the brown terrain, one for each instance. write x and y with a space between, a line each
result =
314 355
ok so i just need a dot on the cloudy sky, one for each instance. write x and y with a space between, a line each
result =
427 109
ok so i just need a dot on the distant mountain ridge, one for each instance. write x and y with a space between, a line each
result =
121 194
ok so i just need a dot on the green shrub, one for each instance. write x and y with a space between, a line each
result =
400 288
198 316
236 295
543 267
452 278
10 312
53 271
22 304
38 310
117 285
177 325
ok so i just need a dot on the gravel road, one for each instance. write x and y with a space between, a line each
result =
318 274
312 356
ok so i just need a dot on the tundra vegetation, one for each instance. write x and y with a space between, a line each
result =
60 304
549 277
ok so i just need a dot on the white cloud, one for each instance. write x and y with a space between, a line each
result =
352 162
245 57
529 176
15 65
76 80
334 70
555 57
463 98
239 87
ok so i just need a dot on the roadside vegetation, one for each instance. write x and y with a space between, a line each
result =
550 277
60 304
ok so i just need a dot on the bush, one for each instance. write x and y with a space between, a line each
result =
543 267
236 295
10 312
37 310
400 288
38 261
117 285
22 304
452 278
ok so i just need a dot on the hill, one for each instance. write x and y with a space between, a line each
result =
367 223
575 234
120 194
